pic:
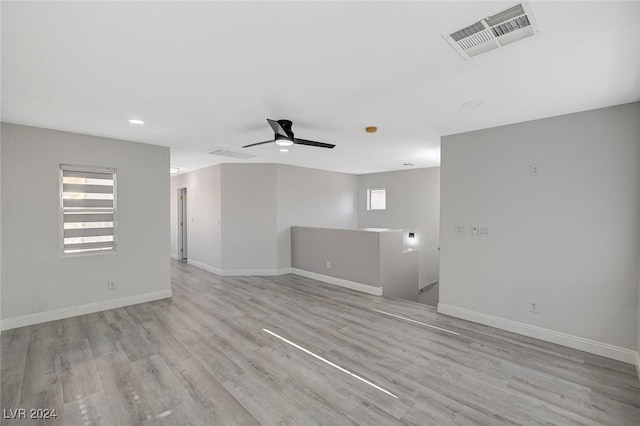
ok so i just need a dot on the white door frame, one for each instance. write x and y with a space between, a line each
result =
182 223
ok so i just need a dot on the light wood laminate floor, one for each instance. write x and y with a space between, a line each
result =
202 358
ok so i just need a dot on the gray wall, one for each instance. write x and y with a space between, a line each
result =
0 225
240 214
310 197
398 267
35 278
203 215
567 237
354 254
413 204
368 259
248 202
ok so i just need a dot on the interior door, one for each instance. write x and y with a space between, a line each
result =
182 223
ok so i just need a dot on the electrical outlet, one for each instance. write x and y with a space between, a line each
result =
111 285
328 265
533 306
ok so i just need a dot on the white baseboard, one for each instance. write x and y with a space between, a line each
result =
571 341
89 308
238 272
173 256
284 271
204 266
254 272
376 291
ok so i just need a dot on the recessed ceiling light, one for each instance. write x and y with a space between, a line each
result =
174 170
371 129
408 164
136 122
472 104
284 150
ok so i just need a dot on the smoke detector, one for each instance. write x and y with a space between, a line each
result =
493 32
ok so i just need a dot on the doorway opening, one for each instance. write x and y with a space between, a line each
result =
182 224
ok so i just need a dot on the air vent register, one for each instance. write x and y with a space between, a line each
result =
496 31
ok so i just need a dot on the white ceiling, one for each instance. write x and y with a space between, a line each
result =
205 75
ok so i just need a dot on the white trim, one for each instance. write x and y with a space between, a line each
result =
204 266
254 272
89 308
564 339
173 256
364 288
239 272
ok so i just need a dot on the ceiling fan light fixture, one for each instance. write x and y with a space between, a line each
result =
283 141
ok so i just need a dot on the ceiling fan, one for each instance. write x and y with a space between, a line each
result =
283 136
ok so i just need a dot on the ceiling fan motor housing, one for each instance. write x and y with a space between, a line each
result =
286 126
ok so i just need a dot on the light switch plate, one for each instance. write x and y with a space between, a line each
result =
535 169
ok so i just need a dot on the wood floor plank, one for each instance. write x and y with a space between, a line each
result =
265 402
124 401
130 338
101 336
166 345
90 410
13 357
160 391
78 372
212 397
42 368
139 314
371 415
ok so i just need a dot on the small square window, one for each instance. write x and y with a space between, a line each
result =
376 199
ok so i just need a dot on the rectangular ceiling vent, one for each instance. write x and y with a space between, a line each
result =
496 31
226 153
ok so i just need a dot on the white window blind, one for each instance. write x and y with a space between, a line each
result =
88 209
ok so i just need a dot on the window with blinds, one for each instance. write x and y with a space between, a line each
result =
88 209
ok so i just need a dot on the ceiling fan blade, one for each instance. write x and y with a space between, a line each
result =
313 143
258 143
277 128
